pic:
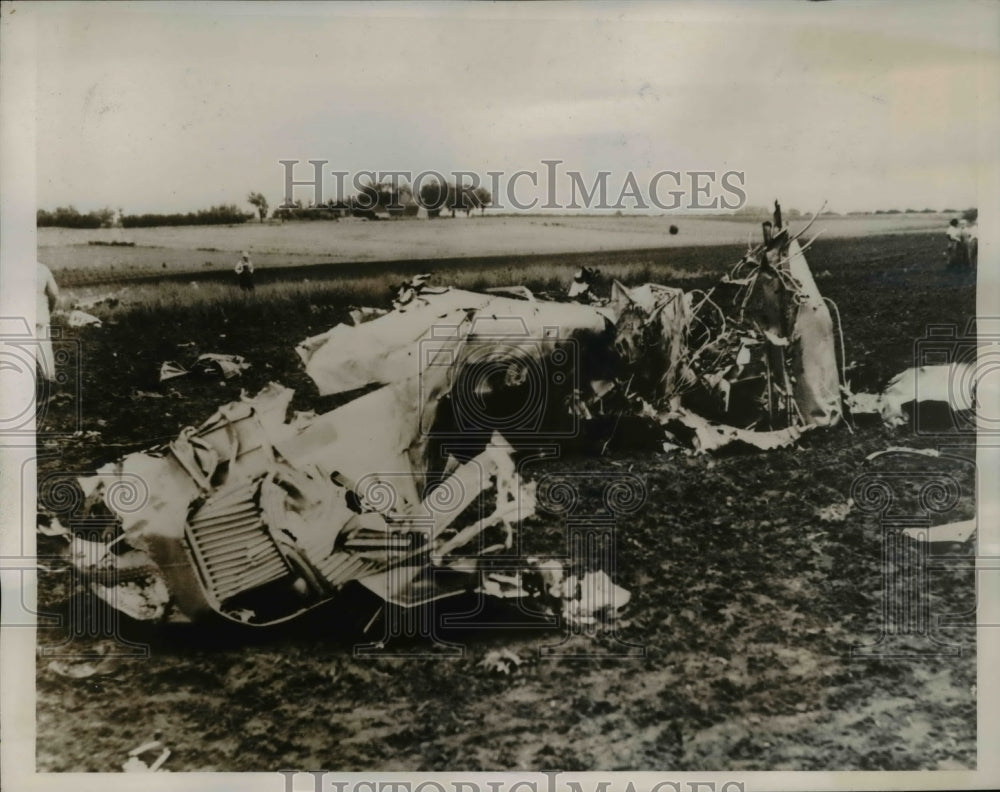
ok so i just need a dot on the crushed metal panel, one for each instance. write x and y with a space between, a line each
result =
709 436
951 533
385 349
652 323
814 354
951 384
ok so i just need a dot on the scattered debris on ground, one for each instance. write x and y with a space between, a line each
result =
209 364
962 532
135 764
256 516
77 318
941 392
501 661
97 659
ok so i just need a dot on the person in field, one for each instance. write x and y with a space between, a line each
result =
244 272
48 296
956 246
969 236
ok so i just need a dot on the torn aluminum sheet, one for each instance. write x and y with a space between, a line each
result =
459 363
77 318
951 384
651 334
814 356
587 599
927 452
706 436
208 364
135 764
255 519
442 329
592 597
365 314
952 533
764 351
756 353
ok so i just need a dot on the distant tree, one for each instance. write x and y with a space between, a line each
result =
971 215
434 197
483 198
258 200
384 196
437 195
461 200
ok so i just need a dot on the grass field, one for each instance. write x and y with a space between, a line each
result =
747 603
215 249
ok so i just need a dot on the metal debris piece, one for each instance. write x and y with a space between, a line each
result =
592 597
961 532
927 452
500 661
134 764
364 314
98 659
835 512
77 318
207 364
952 385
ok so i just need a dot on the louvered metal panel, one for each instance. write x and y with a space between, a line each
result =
232 546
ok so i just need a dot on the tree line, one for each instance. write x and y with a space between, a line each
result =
372 200
69 217
377 198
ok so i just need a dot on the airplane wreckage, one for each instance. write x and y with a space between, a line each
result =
409 488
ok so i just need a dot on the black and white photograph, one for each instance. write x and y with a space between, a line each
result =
460 397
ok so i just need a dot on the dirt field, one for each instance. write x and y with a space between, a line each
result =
746 601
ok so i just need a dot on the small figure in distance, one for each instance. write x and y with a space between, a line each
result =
969 239
244 272
956 247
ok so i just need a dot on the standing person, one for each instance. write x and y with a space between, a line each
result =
244 272
48 296
969 240
956 245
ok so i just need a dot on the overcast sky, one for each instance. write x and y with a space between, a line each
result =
174 108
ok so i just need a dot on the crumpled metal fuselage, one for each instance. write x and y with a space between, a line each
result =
255 518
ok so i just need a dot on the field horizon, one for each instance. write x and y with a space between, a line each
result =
103 256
